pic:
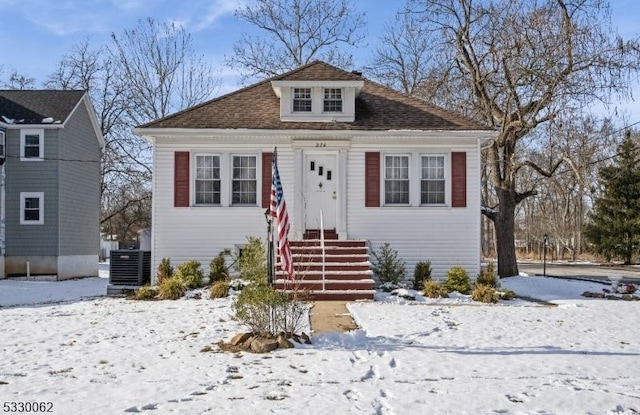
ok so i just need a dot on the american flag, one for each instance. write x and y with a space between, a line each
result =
278 209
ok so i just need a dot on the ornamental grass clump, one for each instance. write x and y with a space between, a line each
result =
219 289
421 273
457 279
433 289
190 273
172 288
485 294
146 292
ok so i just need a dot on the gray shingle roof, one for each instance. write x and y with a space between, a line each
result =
378 108
34 106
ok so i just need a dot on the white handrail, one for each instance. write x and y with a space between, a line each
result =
322 246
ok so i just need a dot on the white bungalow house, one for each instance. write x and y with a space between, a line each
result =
380 165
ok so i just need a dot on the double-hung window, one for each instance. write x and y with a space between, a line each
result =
396 180
301 99
432 184
244 181
31 208
31 144
207 180
332 100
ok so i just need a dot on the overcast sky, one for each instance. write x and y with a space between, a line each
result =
35 34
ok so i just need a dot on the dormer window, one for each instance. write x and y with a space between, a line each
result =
301 99
332 100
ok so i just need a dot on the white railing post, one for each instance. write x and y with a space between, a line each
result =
322 246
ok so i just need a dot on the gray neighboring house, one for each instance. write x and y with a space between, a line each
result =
49 184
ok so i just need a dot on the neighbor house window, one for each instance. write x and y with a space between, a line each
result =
432 184
31 144
207 180
244 180
301 99
396 180
332 100
31 208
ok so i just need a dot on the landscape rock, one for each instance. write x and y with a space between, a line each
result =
263 345
247 343
305 338
240 338
283 342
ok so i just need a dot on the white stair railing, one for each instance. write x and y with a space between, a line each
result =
322 247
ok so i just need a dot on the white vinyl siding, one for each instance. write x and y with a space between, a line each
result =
32 145
31 208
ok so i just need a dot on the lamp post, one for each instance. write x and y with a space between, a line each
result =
268 218
544 255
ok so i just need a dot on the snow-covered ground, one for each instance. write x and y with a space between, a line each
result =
91 355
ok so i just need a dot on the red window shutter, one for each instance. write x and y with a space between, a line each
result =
458 179
372 179
266 179
181 179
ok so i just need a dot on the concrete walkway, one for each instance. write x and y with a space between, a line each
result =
329 316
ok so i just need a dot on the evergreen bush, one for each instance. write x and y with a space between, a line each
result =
218 270
252 263
457 279
487 276
165 270
421 273
190 273
387 266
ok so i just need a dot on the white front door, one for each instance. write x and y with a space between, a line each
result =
320 190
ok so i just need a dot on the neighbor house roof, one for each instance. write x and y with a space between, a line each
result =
378 108
37 106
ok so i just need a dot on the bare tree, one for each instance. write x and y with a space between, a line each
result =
18 81
146 73
403 56
518 64
294 33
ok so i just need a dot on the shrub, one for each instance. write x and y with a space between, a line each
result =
219 289
218 270
237 284
165 270
421 273
252 263
487 277
457 279
484 294
387 266
190 273
172 288
146 292
506 294
433 289
257 306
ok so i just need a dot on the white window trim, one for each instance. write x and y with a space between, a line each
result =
23 134
383 179
447 178
258 180
293 98
194 171
3 143
25 195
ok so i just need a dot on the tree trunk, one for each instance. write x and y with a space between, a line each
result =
505 223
